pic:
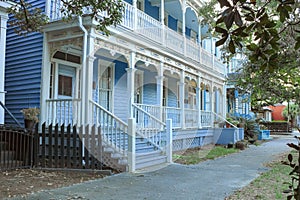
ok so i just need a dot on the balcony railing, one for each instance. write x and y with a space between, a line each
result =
154 30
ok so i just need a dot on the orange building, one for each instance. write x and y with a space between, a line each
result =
277 112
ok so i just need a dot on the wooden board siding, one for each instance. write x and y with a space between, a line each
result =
120 91
23 70
149 94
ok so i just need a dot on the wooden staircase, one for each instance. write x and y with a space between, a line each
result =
115 140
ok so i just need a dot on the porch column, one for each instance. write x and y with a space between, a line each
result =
199 39
181 94
159 89
45 84
89 78
212 52
183 26
198 100
224 98
130 83
162 20
3 20
236 98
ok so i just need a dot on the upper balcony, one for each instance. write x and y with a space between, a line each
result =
185 43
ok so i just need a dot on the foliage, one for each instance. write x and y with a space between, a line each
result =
262 28
269 88
290 112
294 185
29 19
31 113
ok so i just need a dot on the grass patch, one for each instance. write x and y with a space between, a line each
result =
269 185
196 155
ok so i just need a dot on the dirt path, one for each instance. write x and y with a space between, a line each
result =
25 181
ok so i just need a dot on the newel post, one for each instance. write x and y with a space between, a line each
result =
169 147
131 144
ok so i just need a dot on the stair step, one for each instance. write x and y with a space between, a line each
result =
148 159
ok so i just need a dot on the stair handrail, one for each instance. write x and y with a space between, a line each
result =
220 116
147 113
10 114
109 113
154 142
116 146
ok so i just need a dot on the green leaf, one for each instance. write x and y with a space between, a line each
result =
264 19
252 47
231 47
224 3
221 30
297 45
229 20
270 24
220 20
237 19
221 41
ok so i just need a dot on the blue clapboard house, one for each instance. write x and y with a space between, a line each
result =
159 67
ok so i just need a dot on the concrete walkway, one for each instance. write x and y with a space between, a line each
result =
210 180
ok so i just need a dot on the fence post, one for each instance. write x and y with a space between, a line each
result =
169 147
131 144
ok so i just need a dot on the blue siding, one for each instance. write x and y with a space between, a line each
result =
149 94
172 90
172 23
153 11
23 70
120 91
172 99
129 1
188 32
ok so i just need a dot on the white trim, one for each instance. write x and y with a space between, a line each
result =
63 62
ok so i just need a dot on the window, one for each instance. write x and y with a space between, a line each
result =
65 85
67 57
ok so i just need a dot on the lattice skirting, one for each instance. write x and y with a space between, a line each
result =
186 143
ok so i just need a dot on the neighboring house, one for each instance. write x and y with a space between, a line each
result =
238 101
4 5
152 68
277 111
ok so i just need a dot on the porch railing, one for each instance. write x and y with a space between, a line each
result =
191 116
148 26
192 50
113 129
163 113
174 114
149 127
152 29
63 111
206 119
